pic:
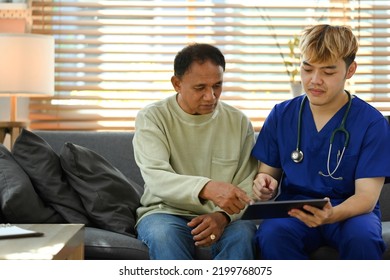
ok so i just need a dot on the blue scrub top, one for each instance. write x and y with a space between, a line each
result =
367 154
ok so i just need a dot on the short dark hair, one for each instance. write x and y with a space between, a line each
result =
197 52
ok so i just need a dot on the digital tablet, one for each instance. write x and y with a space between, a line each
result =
278 209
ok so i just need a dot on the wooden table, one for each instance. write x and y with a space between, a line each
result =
59 242
13 129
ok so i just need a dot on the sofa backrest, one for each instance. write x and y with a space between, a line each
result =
117 148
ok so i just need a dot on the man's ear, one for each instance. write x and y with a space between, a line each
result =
176 83
351 70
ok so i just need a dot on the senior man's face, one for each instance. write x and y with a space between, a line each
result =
200 88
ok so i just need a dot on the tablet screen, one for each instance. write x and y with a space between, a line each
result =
278 209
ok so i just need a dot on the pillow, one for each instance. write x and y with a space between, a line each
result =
43 166
107 195
2 219
19 202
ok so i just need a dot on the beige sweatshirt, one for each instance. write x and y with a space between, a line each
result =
179 153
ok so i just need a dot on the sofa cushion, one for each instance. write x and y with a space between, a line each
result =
101 244
107 195
43 166
386 239
19 201
115 146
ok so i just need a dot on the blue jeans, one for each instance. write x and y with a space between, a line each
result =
169 238
357 238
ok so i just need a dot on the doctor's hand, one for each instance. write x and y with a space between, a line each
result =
313 216
228 197
265 187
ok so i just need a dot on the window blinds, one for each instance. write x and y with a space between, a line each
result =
115 57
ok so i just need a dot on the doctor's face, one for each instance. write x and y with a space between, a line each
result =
199 88
324 82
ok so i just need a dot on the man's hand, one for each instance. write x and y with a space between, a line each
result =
208 228
264 186
228 197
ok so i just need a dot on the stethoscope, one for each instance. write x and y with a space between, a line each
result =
297 154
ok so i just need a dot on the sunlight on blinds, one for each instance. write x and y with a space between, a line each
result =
115 57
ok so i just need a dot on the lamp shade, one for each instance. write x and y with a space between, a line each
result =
26 64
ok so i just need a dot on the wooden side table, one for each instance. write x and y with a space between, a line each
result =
12 128
59 242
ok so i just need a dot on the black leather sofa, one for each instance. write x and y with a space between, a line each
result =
117 148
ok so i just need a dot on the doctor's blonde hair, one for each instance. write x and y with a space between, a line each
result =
324 43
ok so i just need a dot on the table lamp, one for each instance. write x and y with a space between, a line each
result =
26 69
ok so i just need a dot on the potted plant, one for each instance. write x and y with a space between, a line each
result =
291 64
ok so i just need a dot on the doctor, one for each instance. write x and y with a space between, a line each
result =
324 143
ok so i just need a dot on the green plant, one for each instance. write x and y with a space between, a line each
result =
292 61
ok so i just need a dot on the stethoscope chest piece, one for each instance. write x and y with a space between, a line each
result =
297 156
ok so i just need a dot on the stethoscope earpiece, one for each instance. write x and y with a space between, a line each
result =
297 156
